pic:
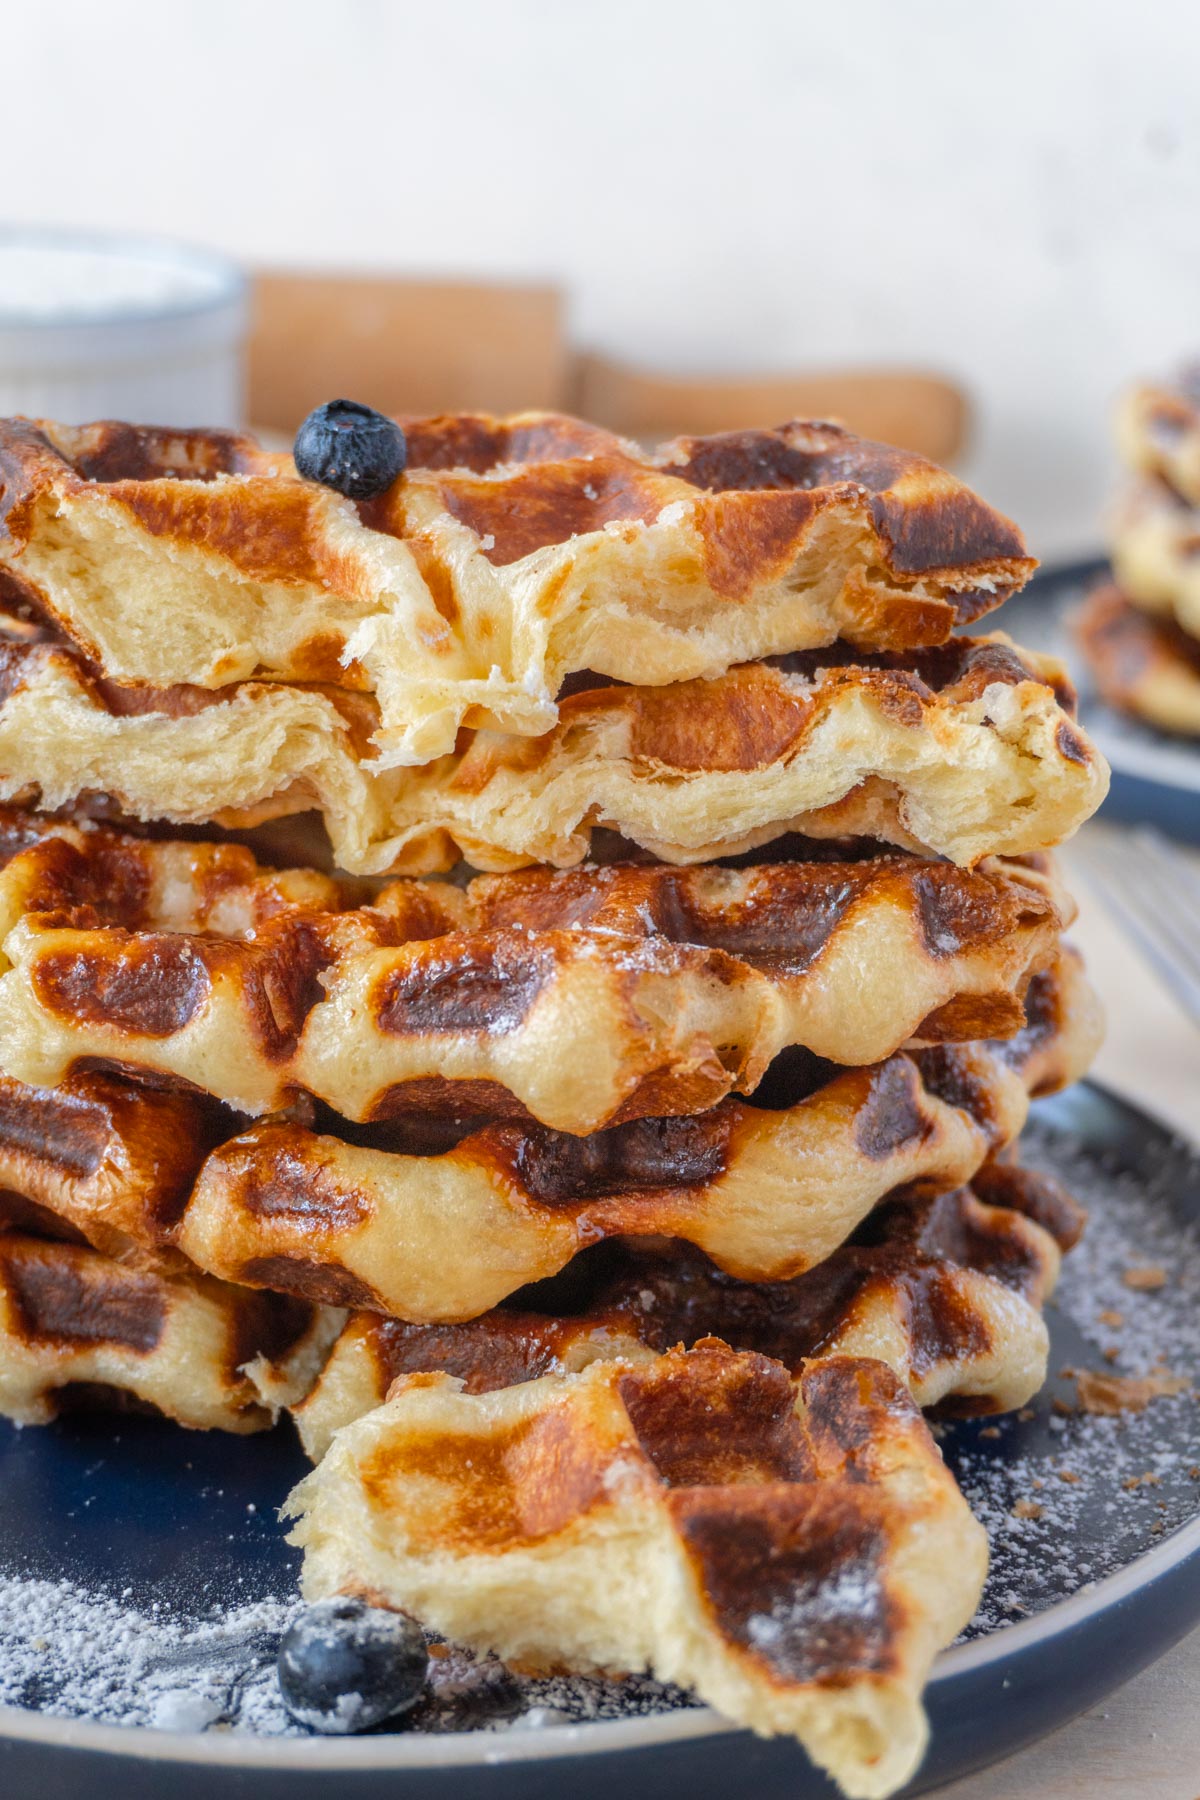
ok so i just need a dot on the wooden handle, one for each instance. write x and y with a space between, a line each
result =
918 411
402 346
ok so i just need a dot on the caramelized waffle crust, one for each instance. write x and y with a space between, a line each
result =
947 1291
580 998
765 1193
965 750
510 554
795 1551
380 1223
77 1328
1156 555
1158 433
1142 665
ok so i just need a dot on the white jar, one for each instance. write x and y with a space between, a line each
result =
94 326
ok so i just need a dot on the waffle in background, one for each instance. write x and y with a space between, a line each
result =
1140 634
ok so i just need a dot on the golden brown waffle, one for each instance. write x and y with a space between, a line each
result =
1142 665
1158 433
512 553
579 998
796 1552
765 1193
966 750
947 1291
104 1159
1156 554
78 1328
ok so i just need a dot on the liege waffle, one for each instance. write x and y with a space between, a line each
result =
1142 665
946 1290
78 1328
795 1551
1158 433
512 553
579 998
765 1193
1156 555
965 750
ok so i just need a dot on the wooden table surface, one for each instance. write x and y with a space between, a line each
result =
1143 1743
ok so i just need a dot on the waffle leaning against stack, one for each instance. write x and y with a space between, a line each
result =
1140 633
616 1209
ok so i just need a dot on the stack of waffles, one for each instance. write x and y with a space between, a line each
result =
1140 633
607 1152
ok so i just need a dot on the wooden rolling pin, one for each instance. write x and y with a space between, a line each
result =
922 412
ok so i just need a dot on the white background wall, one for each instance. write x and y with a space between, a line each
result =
1010 190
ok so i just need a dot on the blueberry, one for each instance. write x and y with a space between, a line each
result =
350 448
344 1666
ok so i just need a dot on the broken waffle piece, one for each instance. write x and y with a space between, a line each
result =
1145 1279
1111 1394
795 1551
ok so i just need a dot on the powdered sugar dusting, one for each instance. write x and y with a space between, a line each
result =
64 1650
1099 1491
85 1655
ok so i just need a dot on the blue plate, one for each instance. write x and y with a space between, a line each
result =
1077 1602
1155 777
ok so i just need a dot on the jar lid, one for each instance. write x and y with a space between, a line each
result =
77 299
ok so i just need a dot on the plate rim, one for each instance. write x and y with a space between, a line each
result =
541 1743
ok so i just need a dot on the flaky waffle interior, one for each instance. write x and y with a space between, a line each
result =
513 553
966 750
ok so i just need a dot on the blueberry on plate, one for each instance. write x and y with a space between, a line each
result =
345 1666
351 448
